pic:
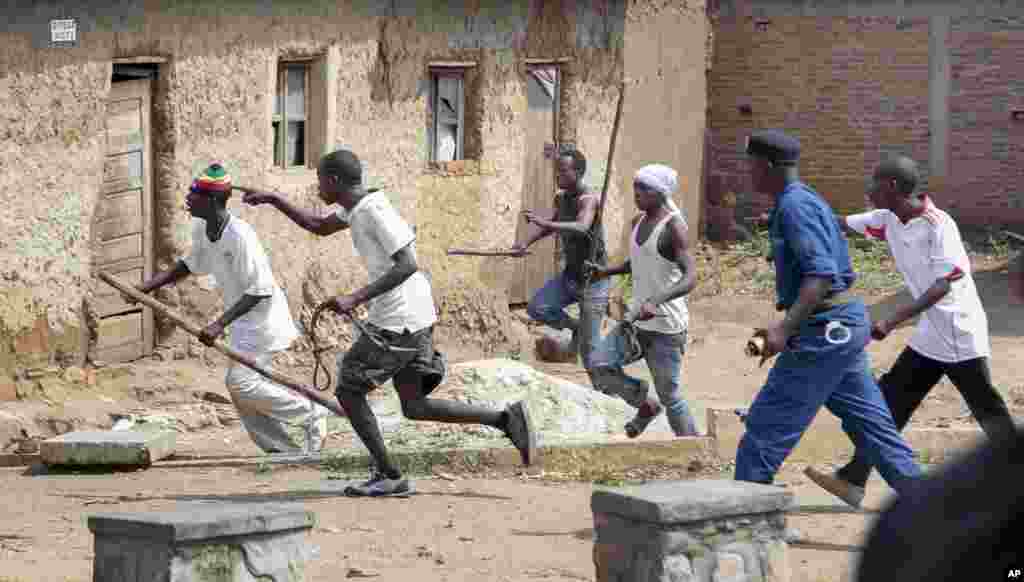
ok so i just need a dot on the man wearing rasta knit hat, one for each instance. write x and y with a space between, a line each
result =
402 315
821 341
257 315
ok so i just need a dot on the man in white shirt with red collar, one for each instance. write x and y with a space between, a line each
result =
951 338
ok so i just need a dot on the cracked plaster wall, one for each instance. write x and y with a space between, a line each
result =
213 101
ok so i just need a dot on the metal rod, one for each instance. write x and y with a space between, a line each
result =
484 253
1014 236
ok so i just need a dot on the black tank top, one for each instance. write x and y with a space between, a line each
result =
578 248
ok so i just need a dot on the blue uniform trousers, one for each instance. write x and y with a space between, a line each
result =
813 373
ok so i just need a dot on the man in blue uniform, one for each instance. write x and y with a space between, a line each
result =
821 341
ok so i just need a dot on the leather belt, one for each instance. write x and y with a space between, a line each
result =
830 302
841 298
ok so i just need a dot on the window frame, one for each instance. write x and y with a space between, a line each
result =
436 74
280 149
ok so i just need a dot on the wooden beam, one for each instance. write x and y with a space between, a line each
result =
451 64
809 545
139 60
551 61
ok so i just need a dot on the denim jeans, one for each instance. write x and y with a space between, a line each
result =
664 356
549 302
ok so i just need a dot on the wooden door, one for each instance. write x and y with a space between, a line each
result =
539 186
123 224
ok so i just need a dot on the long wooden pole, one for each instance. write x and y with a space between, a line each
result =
611 155
193 329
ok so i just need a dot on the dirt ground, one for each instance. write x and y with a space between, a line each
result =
504 528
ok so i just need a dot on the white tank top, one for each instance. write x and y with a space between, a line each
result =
653 274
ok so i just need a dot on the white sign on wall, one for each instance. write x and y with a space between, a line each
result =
64 32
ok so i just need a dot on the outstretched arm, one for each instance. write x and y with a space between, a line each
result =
325 225
584 219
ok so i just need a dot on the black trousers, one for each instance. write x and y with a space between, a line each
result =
910 380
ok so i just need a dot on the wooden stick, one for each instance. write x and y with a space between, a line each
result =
1014 236
484 253
611 156
193 329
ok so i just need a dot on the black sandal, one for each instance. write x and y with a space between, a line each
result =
638 425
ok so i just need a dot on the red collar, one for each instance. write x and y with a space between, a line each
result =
926 210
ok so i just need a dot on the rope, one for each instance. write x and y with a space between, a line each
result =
318 350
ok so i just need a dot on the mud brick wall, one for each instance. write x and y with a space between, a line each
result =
213 99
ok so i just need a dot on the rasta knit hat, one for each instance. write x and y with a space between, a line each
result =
214 179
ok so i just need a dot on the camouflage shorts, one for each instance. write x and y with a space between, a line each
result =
366 366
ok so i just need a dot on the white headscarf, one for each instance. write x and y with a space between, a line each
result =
660 178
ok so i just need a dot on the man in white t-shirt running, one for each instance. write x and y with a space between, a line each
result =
401 314
951 338
257 316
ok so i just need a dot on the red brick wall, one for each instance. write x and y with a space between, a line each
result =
986 183
852 89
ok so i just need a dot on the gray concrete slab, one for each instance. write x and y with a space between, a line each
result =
203 520
108 447
674 502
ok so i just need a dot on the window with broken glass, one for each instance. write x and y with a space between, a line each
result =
447 105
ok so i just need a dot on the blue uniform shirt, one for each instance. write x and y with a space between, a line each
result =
807 240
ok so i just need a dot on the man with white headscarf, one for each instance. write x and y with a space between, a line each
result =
663 271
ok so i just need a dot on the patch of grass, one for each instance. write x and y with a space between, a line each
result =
743 267
759 245
602 476
1000 246
876 272
412 463
263 467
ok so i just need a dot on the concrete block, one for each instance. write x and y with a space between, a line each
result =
121 447
692 531
200 521
200 542
672 502
824 440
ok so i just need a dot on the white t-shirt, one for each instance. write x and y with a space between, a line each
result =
925 249
240 265
378 232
